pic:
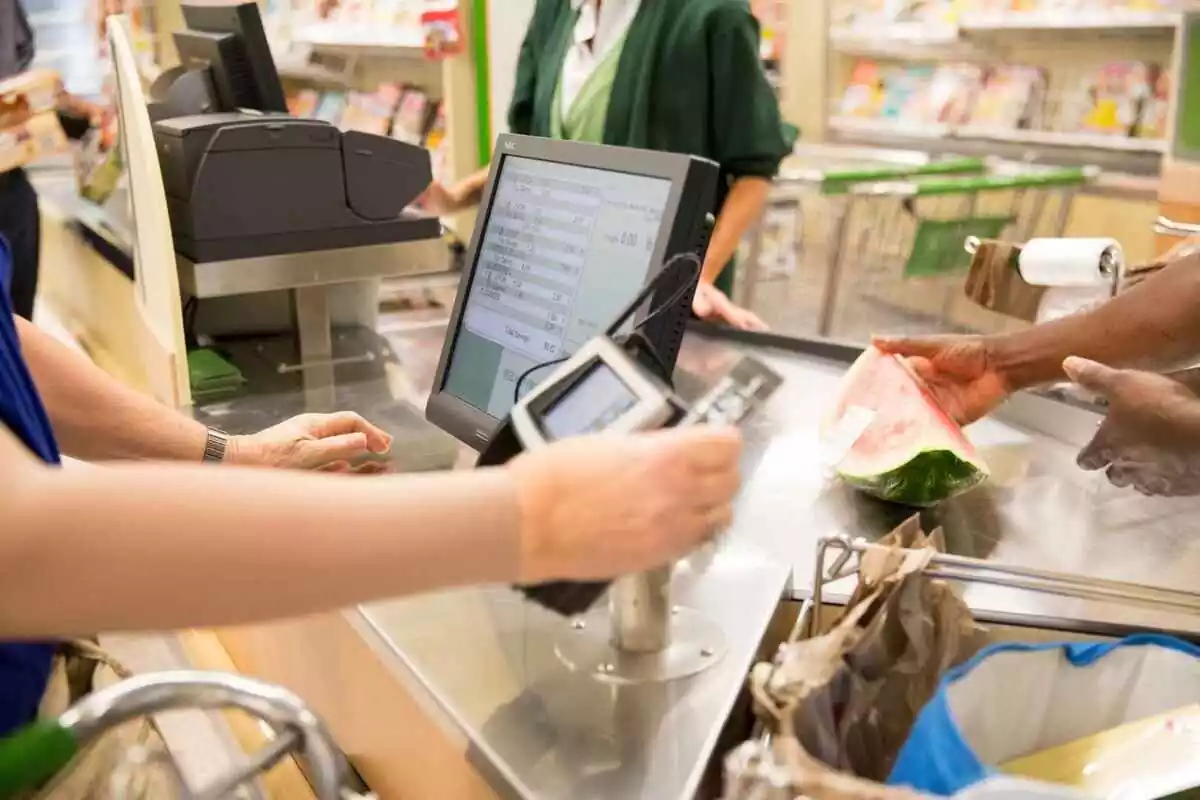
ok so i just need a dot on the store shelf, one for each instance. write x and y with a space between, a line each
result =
898 33
1085 141
877 127
1078 141
362 39
1116 20
926 34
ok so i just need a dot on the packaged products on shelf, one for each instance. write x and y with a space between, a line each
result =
949 96
332 107
901 89
1157 111
439 146
1112 97
303 103
413 117
1011 97
371 112
864 93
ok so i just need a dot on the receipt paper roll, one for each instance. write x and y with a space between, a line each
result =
1070 262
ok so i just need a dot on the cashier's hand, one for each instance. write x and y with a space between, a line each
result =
330 442
597 507
711 305
1150 439
958 371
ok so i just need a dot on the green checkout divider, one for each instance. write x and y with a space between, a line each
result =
33 756
1049 179
209 373
840 181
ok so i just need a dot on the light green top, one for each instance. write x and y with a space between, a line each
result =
584 121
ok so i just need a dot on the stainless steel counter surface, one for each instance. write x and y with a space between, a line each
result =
486 658
1039 510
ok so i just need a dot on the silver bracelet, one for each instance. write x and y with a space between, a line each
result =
215 445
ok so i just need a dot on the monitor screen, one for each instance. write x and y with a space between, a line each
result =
563 249
597 400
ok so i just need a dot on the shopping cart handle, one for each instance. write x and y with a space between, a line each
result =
32 756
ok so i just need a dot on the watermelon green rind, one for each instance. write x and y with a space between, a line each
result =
925 479
910 450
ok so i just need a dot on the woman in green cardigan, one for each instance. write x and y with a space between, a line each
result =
681 76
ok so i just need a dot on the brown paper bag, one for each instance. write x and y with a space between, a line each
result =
995 283
841 704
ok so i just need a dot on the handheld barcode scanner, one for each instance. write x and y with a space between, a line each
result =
615 384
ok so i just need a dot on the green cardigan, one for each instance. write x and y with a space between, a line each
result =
689 81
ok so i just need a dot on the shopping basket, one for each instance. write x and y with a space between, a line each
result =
39 754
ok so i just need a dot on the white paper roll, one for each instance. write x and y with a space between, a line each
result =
1070 262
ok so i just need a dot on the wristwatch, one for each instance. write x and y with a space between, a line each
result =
215 445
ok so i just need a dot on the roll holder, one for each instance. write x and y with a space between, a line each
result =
1110 266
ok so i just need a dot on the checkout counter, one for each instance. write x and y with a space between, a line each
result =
460 694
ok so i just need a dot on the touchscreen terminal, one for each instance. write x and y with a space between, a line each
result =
563 250
592 405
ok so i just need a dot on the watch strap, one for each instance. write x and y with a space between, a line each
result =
215 445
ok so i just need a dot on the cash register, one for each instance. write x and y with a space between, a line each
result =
245 180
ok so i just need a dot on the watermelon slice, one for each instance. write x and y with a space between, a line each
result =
888 437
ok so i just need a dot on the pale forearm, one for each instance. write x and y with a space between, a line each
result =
469 191
96 417
80 552
1154 325
743 207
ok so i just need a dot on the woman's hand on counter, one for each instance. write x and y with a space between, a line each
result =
439 200
1150 438
960 371
330 442
711 305
599 506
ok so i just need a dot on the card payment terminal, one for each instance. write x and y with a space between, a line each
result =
602 388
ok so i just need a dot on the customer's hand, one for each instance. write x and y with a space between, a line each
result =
711 305
959 371
1150 439
601 506
311 441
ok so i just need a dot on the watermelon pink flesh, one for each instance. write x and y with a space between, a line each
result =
912 452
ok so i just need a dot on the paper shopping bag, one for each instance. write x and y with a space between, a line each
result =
1017 700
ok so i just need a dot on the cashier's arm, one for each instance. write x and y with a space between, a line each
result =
135 546
141 546
97 418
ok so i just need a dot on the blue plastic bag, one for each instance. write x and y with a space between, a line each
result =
1012 700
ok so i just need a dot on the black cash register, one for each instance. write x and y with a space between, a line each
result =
245 180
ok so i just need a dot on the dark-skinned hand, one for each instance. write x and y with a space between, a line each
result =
958 370
1150 438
